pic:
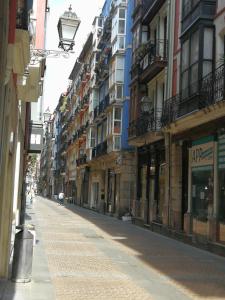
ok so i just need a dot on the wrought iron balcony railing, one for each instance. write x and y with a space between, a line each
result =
101 107
82 160
144 124
208 91
153 57
99 150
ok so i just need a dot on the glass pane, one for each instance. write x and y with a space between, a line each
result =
117 127
119 75
185 55
202 193
120 63
117 113
117 142
119 92
207 68
121 28
122 13
194 47
121 42
208 43
184 80
68 32
194 78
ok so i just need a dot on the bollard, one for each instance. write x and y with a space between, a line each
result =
22 256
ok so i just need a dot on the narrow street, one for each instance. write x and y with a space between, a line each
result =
92 256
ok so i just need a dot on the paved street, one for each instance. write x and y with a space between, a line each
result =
91 256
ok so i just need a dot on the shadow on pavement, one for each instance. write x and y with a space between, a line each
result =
198 271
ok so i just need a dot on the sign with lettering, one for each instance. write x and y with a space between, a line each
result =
202 155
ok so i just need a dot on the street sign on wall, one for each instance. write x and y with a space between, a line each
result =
36 138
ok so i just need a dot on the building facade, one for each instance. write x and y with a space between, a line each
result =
195 154
19 85
159 62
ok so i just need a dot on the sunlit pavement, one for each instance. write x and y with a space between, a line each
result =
92 256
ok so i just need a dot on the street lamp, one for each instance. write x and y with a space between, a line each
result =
67 27
47 115
146 105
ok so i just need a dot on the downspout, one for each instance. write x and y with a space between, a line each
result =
168 95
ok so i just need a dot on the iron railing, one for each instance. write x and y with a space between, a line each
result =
153 51
144 124
100 149
82 160
208 91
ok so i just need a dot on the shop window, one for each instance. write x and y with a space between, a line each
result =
202 193
222 195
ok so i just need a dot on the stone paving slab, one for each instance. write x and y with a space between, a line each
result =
92 256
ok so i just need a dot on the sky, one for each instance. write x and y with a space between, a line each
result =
58 69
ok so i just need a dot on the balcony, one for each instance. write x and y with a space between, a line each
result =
99 150
100 109
196 10
104 104
153 7
145 124
82 160
210 90
153 59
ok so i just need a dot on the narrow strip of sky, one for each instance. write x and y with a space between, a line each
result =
58 69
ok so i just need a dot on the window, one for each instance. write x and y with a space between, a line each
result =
191 60
117 120
104 130
92 138
100 22
121 28
120 69
121 42
144 34
119 91
208 51
109 120
117 142
136 38
99 130
35 139
122 13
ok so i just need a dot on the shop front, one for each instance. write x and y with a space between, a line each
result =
206 195
221 188
151 182
202 155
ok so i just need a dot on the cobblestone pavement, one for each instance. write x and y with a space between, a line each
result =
91 256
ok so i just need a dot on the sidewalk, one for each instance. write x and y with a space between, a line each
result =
40 287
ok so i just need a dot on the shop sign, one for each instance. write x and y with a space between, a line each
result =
202 155
221 152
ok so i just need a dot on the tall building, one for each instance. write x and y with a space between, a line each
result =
193 119
19 85
99 162
152 44
177 116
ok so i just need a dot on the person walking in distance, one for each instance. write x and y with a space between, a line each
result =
61 198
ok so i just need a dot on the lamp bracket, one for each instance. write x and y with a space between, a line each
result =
38 54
